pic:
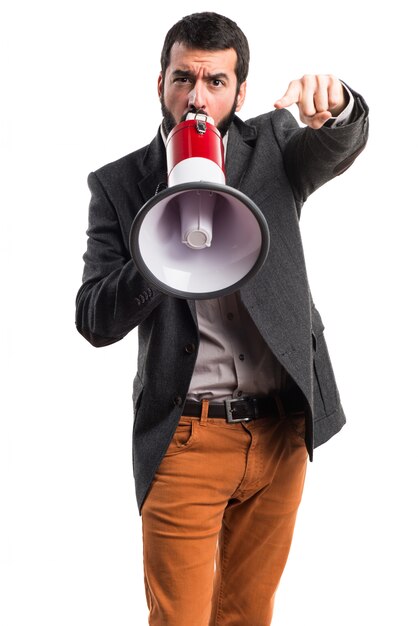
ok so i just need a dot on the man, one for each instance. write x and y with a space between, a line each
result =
217 479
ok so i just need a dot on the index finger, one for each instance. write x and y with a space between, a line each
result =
292 95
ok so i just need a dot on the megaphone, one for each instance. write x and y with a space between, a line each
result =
199 238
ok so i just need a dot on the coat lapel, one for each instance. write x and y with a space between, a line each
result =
154 168
241 138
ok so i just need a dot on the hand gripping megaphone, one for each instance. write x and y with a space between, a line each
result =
199 238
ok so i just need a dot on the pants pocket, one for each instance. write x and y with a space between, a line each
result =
296 423
184 436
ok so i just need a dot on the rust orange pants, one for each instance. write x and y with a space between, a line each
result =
218 520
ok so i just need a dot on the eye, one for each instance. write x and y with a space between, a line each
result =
216 82
182 79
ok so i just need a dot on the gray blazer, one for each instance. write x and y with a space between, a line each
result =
277 164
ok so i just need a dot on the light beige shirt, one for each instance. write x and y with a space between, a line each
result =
233 358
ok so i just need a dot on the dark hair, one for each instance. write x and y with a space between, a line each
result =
208 31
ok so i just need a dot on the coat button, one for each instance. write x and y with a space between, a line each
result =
178 400
189 348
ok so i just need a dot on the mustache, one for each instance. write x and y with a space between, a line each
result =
192 110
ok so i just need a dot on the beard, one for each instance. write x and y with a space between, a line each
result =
169 122
226 121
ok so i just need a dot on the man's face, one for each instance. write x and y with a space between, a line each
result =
200 79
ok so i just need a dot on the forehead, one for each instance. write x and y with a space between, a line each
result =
184 58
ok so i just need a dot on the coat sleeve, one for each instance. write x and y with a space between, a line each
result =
114 297
313 157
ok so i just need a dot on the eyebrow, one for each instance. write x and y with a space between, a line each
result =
189 74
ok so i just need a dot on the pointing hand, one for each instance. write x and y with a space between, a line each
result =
318 96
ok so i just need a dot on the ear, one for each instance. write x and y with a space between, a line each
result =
241 95
160 85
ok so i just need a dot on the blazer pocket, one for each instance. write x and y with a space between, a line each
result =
325 387
138 388
317 327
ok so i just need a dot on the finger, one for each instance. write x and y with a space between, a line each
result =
306 103
337 98
291 96
321 97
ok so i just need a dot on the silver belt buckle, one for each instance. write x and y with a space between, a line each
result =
230 410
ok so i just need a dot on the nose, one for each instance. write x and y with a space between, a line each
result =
196 98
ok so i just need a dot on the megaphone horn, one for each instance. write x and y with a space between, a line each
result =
199 238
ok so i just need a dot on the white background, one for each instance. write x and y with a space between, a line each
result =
80 91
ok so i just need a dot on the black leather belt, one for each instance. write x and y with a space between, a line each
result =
236 410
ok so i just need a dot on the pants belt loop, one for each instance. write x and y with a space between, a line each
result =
204 412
